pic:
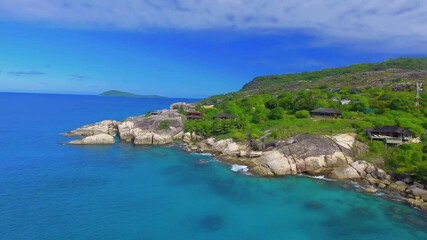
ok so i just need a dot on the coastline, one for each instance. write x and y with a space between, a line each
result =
330 156
398 190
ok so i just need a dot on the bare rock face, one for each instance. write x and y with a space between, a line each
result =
98 139
104 127
125 130
144 138
345 173
276 164
151 138
187 137
162 139
417 192
158 129
358 170
312 154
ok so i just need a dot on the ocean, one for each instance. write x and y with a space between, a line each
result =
49 190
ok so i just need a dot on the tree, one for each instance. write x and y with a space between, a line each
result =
272 103
276 114
305 101
286 101
362 104
260 115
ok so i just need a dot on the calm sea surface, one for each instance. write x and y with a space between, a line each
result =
54 191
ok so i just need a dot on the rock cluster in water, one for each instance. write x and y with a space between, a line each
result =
140 130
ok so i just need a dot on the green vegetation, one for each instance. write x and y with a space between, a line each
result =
283 113
358 75
115 93
164 125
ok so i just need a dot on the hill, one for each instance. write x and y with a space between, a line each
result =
273 108
357 75
116 93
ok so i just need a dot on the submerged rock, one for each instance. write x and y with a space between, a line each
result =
212 222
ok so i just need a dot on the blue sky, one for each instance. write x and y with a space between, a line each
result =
194 48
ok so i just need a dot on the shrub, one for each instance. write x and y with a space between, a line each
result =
164 125
238 136
302 114
276 114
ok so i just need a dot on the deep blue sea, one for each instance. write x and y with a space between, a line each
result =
53 191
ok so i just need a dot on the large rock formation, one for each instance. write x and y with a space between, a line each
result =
358 170
105 127
98 139
159 128
312 154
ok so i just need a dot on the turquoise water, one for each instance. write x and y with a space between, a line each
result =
54 191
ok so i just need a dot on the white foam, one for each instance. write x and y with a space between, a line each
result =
202 154
239 168
318 177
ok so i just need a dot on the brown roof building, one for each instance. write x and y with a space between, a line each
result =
325 112
193 115
390 134
224 116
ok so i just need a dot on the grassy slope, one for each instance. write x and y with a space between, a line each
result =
405 64
374 80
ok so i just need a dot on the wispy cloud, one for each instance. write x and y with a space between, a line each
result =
393 24
78 77
25 73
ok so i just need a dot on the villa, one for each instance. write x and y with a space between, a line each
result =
194 115
224 116
325 112
390 134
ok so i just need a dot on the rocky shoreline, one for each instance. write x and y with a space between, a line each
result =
335 157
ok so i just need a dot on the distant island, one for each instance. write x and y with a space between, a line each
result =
116 93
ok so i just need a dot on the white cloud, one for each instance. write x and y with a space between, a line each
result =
394 24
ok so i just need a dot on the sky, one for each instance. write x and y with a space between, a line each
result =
194 48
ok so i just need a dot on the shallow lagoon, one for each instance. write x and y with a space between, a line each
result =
52 191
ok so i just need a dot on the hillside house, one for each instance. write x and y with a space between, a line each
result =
225 116
325 112
390 134
194 115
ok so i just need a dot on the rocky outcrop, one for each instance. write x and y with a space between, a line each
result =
98 139
311 154
182 105
105 127
159 128
151 138
358 170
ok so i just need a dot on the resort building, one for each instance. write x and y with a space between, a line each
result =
345 101
390 134
224 116
325 112
193 115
